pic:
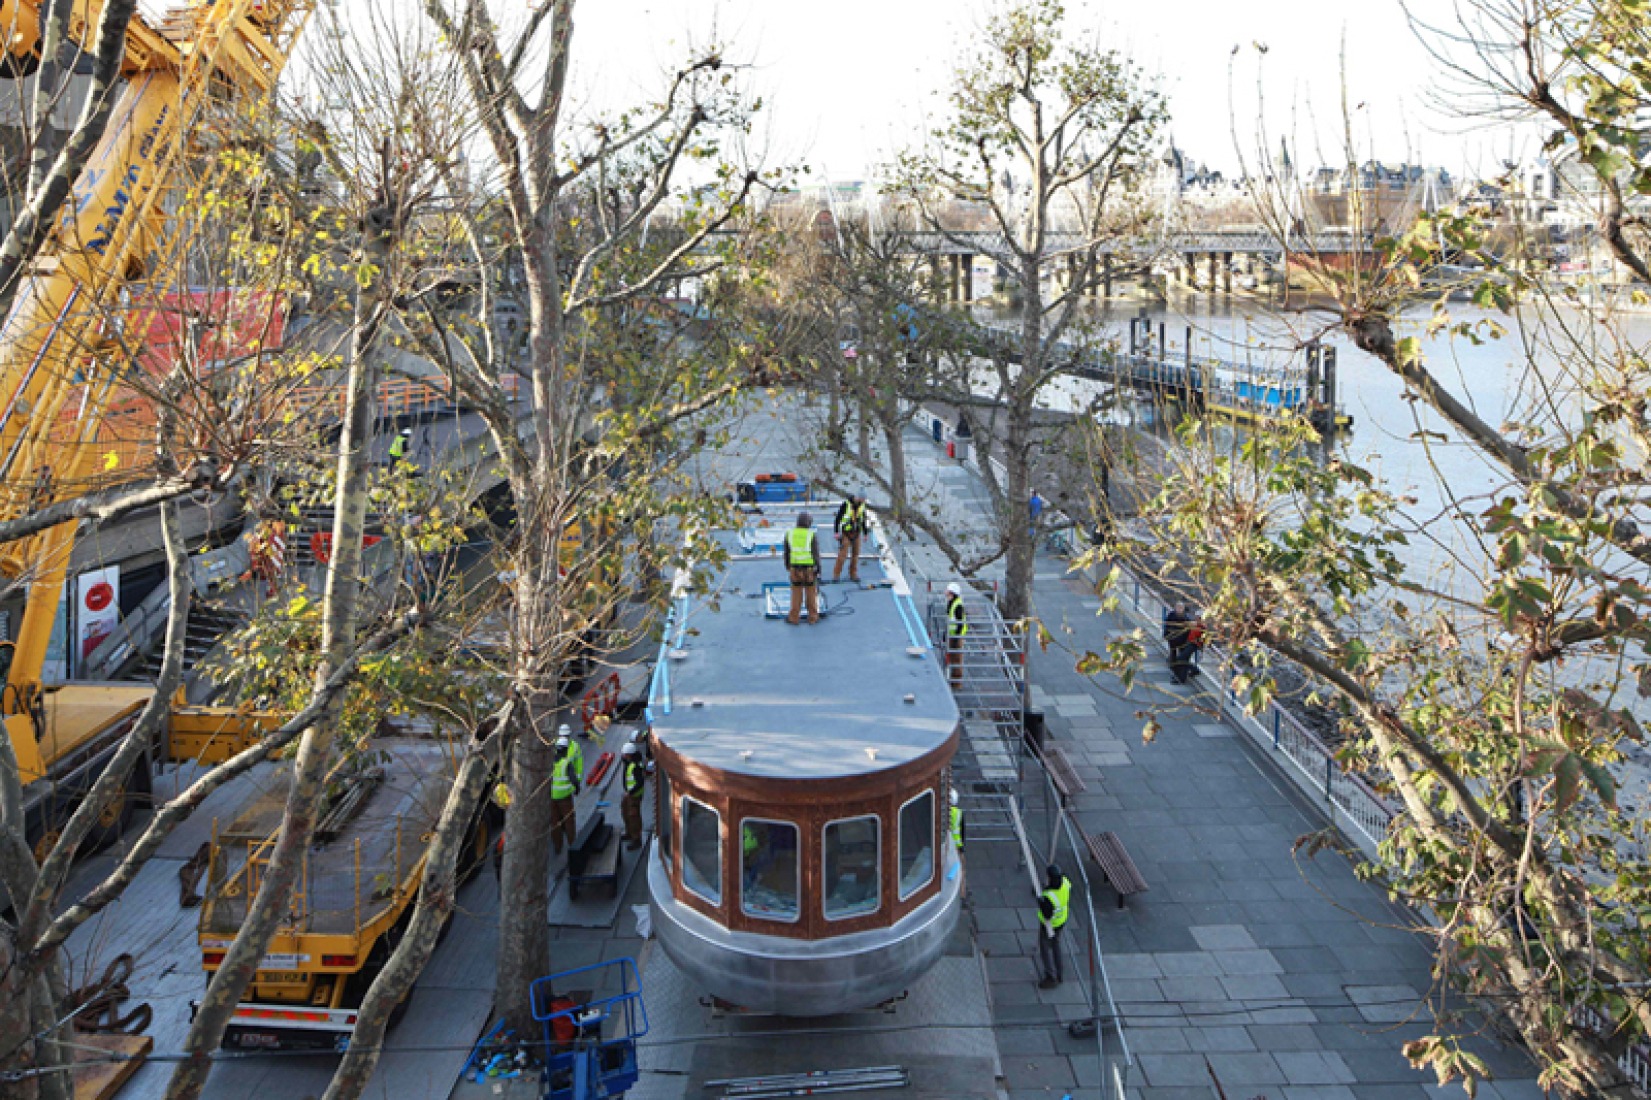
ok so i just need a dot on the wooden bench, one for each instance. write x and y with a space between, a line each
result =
1110 856
1061 772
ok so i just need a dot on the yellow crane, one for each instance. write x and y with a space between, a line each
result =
113 225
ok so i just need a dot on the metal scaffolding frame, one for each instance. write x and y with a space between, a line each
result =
1007 796
987 672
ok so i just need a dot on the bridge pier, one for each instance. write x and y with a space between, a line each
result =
1106 274
1192 271
1227 272
1214 283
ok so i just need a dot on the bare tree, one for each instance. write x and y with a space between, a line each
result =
1497 711
575 199
1045 135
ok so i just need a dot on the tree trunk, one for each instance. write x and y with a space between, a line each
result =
862 419
894 437
1017 452
16 1024
1017 490
524 877
437 888
339 621
48 993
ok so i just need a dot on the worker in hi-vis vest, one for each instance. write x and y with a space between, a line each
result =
802 559
635 775
564 784
957 628
1054 905
399 445
851 528
957 822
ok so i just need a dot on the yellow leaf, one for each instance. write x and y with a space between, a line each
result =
111 460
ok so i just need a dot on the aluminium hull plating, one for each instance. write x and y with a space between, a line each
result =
790 977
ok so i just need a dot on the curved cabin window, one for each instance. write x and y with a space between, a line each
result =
851 885
702 850
770 887
916 844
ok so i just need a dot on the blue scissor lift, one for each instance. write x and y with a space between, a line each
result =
595 1058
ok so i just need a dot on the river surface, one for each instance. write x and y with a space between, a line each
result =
1412 450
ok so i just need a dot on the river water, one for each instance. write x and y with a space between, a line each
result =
1413 451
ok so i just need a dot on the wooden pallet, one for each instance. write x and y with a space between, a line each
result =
102 1075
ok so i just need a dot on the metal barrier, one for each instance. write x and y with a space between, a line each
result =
1049 835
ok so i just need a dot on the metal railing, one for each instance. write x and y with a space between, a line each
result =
1351 804
233 892
1050 835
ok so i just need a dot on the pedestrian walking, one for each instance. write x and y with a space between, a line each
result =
802 559
635 775
1054 904
1034 505
851 528
1175 637
957 629
564 784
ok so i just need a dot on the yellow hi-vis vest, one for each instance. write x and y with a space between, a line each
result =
957 827
801 542
561 779
398 447
957 619
854 519
635 777
1061 898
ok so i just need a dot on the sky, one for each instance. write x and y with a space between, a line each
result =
849 83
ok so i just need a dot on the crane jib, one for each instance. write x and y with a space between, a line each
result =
34 366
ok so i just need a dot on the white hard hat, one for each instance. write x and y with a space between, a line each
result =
406 431
564 730
954 589
630 749
954 796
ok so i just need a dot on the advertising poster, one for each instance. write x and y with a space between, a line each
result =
97 611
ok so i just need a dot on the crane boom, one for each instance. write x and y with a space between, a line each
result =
110 228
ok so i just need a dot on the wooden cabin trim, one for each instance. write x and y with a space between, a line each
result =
810 805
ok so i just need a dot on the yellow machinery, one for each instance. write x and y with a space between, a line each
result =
356 890
55 380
